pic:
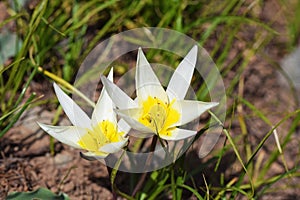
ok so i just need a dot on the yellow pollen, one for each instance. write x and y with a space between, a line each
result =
105 132
159 116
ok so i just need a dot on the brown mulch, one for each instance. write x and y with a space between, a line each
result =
26 163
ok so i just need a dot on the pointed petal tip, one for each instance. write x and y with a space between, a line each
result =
90 156
87 157
47 128
111 75
192 55
195 48
54 84
180 134
213 104
59 93
141 58
193 51
56 87
41 124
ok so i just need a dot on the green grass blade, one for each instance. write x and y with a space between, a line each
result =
18 115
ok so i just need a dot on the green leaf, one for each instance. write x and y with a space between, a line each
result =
41 193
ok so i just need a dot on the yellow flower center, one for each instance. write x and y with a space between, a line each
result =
159 116
104 133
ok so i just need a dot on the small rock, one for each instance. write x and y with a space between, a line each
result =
62 159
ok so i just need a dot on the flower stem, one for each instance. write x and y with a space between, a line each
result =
112 173
66 85
143 177
173 184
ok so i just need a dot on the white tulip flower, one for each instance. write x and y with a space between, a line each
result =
99 136
156 111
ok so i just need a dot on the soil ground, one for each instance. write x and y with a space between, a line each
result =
26 163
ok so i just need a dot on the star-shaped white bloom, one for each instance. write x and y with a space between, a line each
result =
99 136
156 111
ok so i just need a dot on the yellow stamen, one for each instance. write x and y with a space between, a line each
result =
104 133
159 116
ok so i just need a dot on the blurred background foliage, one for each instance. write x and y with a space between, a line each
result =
42 37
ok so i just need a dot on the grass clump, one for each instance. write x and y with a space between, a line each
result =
52 38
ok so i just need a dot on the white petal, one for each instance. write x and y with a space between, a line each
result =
104 107
181 79
139 134
123 127
75 114
190 110
92 156
147 83
113 147
130 116
120 98
110 75
179 134
69 135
